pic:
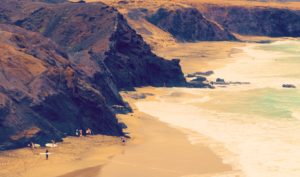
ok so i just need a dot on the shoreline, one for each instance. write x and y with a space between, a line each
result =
162 151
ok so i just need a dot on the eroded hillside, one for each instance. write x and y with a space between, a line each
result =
213 20
62 66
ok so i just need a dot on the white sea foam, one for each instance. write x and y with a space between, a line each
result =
263 68
260 148
253 141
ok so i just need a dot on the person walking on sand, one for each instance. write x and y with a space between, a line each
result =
80 133
47 154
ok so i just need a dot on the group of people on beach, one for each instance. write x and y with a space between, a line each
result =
79 132
34 146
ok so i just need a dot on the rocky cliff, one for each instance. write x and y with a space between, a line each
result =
263 21
62 66
188 24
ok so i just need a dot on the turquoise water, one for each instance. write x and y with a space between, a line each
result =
265 102
286 57
290 47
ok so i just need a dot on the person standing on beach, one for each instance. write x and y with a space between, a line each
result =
32 145
77 132
80 133
47 154
88 131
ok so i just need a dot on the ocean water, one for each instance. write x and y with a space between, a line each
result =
257 125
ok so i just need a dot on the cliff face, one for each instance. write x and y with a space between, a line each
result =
62 66
104 36
139 66
42 95
256 20
188 24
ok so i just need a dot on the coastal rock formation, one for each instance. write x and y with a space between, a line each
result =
199 82
62 66
262 21
188 24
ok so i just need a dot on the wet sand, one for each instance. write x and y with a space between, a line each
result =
163 151
92 171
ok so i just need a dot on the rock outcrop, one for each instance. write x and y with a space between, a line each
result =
62 66
188 24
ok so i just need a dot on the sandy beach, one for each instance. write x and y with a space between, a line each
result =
202 56
72 154
155 149
162 151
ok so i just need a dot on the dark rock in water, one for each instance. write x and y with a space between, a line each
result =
219 80
188 24
264 41
199 79
288 86
199 85
64 66
191 75
206 73
199 82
